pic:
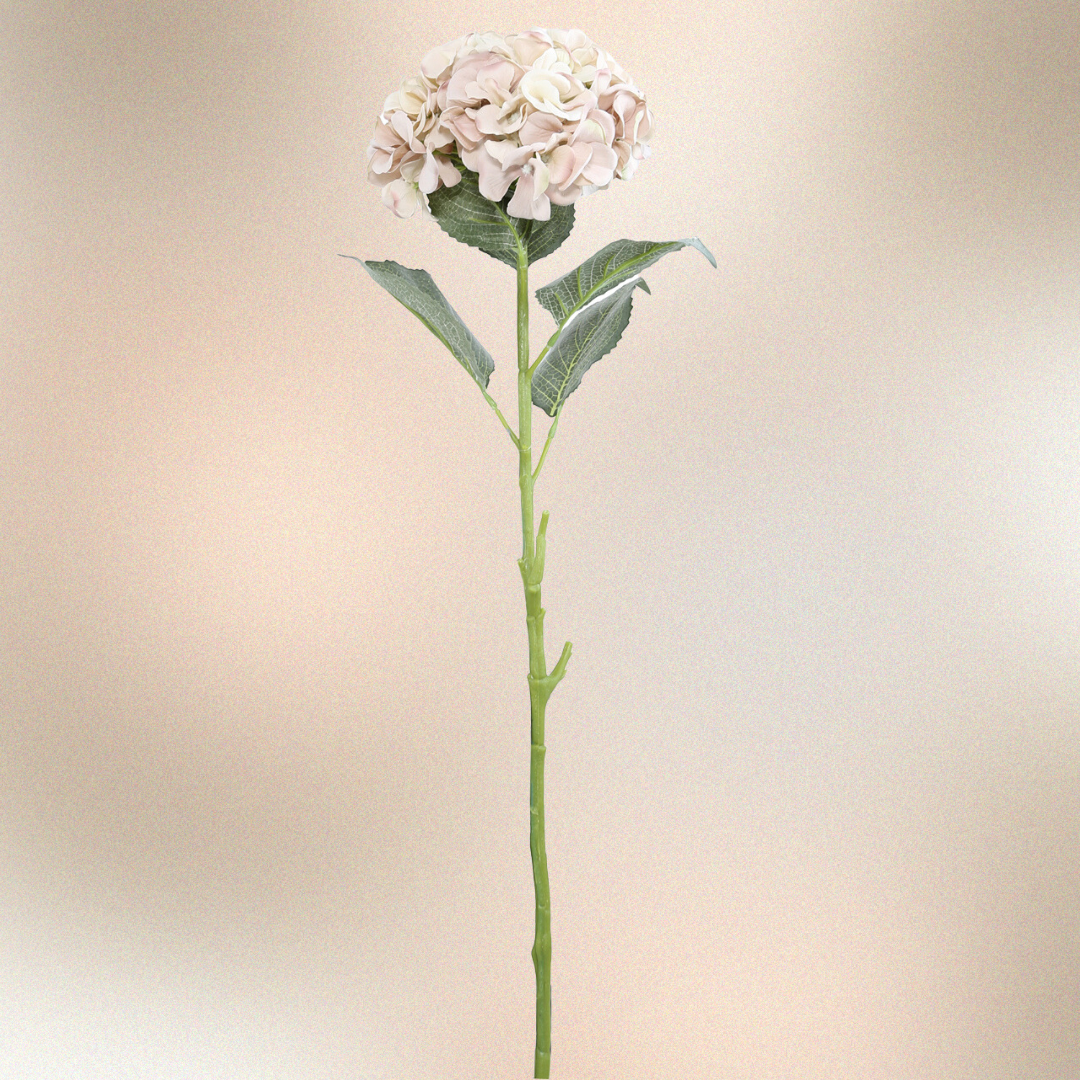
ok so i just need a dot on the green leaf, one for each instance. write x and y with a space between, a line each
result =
466 215
616 263
416 290
592 306
584 338
544 237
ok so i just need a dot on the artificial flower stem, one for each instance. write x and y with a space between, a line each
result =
541 684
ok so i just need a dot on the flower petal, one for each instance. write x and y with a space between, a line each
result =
401 197
566 163
525 203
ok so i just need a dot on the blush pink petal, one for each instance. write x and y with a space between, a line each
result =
385 137
601 82
513 114
601 165
597 126
526 204
489 121
380 162
496 80
493 180
539 128
440 139
463 127
462 89
403 126
566 162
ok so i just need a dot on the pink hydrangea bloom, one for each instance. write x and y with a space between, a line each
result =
545 108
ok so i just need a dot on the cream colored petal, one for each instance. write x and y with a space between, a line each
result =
541 177
413 95
411 167
428 180
486 42
401 197
549 60
544 90
513 115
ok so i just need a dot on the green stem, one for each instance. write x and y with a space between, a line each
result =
541 684
547 442
502 419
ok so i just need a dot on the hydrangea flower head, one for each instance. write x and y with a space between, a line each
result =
546 109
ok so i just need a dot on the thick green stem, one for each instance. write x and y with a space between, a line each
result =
541 684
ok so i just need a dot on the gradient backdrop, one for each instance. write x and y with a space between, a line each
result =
814 773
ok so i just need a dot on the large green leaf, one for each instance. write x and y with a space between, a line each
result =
467 216
607 268
416 290
590 334
592 306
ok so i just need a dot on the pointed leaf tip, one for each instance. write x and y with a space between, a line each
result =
694 242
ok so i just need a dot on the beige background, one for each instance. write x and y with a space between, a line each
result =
814 775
